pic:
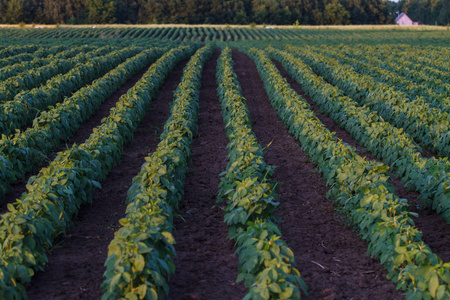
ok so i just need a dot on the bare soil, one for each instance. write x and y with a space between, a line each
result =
205 261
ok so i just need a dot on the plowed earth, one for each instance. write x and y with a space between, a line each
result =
330 255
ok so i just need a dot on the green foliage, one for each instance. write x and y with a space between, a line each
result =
56 193
26 150
11 54
140 256
14 11
396 148
314 12
20 63
265 261
362 191
101 11
33 78
416 80
335 14
429 126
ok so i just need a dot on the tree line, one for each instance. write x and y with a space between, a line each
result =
431 12
277 12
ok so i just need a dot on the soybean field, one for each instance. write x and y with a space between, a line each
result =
202 162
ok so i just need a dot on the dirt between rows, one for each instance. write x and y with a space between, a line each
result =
330 255
75 266
205 261
434 228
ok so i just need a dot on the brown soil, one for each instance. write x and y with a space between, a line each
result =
206 267
216 31
330 256
75 266
434 228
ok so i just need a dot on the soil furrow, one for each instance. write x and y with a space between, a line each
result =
205 265
75 265
434 228
330 256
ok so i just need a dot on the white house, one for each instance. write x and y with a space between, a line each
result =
403 19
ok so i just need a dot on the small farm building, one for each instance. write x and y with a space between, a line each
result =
403 19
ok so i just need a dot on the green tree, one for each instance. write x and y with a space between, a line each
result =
54 11
75 11
318 17
335 14
273 12
443 17
101 11
127 11
14 11
152 11
240 18
426 11
227 12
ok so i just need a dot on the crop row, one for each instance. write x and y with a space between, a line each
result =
14 50
163 33
140 255
35 77
433 92
265 260
361 189
125 36
429 126
438 80
37 59
430 177
56 193
427 56
26 150
402 66
25 106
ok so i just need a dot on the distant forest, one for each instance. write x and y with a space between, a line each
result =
277 12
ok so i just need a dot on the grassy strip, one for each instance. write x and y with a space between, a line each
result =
429 176
265 260
54 196
362 191
140 255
